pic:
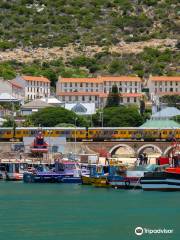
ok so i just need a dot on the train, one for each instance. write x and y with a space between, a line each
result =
93 133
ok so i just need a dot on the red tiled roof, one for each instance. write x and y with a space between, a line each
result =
132 94
165 78
15 84
78 94
100 94
100 79
120 79
34 78
80 80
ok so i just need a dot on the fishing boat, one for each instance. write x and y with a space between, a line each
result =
63 172
106 176
97 176
13 171
167 180
130 178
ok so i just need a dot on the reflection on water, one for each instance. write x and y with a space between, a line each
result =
75 212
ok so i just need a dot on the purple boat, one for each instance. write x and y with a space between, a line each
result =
64 172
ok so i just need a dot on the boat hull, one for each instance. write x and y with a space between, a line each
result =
101 182
71 180
87 180
161 181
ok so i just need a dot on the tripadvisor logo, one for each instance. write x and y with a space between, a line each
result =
139 231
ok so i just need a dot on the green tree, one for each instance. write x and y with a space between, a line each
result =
142 107
113 99
122 116
171 100
52 116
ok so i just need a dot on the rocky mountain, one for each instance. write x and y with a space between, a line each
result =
89 37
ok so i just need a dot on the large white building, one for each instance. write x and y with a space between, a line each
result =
13 89
96 90
34 87
163 85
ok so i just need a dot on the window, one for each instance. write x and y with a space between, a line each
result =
171 89
70 98
81 85
76 98
176 83
65 85
83 98
120 89
90 98
171 83
95 98
136 83
135 99
91 84
70 84
128 99
86 84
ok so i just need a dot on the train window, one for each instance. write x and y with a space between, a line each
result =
18 132
91 132
8 132
115 132
57 132
164 132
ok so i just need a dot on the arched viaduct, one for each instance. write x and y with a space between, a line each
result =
164 148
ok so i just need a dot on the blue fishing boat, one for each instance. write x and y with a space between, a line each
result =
63 172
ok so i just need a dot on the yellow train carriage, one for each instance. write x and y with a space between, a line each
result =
6 133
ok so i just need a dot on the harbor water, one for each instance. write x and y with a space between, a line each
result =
76 212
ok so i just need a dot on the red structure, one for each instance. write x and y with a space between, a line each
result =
39 145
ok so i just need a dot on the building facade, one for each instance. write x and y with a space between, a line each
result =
96 90
163 85
34 87
13 89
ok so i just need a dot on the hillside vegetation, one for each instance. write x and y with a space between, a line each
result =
89 37
102 22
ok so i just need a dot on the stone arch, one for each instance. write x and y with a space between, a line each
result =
168 149
116 147
149 145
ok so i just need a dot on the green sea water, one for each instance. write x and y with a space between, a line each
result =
75 212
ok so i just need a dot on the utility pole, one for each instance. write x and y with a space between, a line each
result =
75 137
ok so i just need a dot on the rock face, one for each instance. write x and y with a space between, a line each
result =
28 54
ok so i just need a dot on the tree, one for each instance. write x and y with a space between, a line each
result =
52 116
142 107
113 99
171 100
120 116
177 119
